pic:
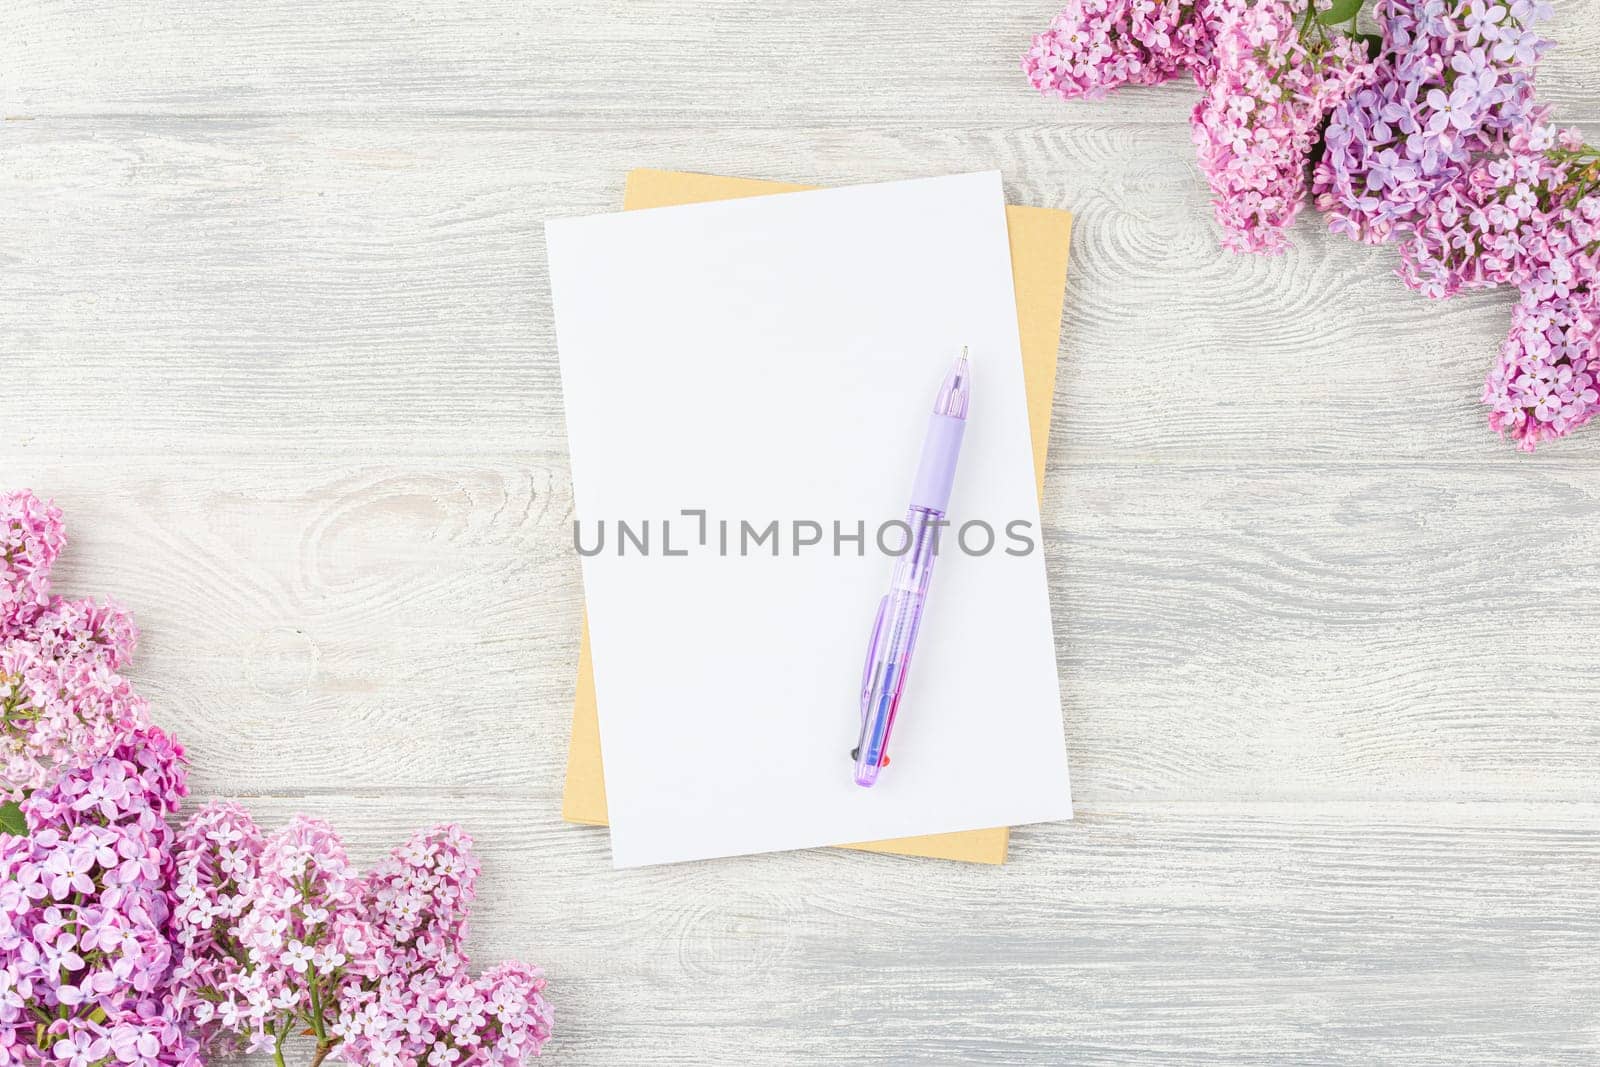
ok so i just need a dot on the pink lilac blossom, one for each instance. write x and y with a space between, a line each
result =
58 715
267 929
62 703
418 899
1269 74
218 854
1455 81
84 631
1544 384
425 1007
31 536
1096 45
277 935
85 961
498 1019
1529 217
1273 77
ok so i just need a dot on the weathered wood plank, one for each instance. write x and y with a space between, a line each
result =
1263 933
1223 634
231 283
704 64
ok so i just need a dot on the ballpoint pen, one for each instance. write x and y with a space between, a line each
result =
894 633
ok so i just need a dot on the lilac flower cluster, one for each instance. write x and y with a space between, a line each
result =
1438 144
1093 46
425 1007
1544 383
1452 83
85 962
418 898
1267 89
1528 217
1269 74
278 934
265 928
31 536
62 703
1449 153
121 945
221 850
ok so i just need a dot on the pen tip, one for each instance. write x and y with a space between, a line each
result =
963 351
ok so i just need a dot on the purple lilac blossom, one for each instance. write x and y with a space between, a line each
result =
1268 86
1453 81
1528 217
1439 144
277 936
85 960
1543 385
1269 74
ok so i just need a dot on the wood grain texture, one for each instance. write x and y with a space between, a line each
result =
701 64
1238 633
1252 933
276 333
286 271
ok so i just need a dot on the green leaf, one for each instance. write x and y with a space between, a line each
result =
11 820
1340 11
1374 43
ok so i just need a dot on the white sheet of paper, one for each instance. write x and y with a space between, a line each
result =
776 358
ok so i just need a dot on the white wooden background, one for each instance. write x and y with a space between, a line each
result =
275 331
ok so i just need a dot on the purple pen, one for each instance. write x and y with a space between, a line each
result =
894 633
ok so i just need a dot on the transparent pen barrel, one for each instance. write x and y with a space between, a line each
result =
895 638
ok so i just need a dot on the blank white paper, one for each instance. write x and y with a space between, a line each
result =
775 358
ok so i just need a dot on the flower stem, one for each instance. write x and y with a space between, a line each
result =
317 1024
